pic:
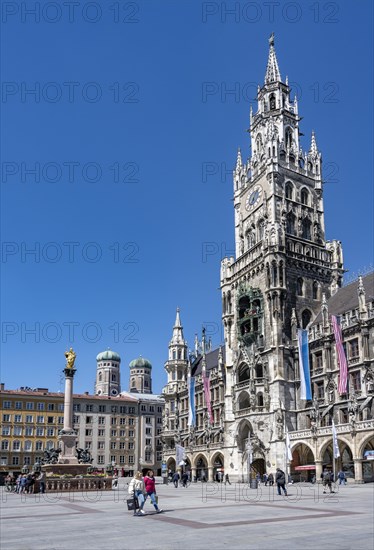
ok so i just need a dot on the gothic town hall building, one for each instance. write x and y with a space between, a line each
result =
285 275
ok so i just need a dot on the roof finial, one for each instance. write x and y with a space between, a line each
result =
239 162
272 69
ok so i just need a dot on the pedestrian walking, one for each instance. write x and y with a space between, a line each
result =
227 479
184 479
137 489
280 480
327 481
42 479
341 477
150 487
258 478
176 479
271 479
265 479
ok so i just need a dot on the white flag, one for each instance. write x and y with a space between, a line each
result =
288 446
181 453
335 441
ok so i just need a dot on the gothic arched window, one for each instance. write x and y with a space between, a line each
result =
291 223
259 371
315 290
300 285
259 143
288 137
261 229
304 197
243 401
305 318
243 373
260 400
100 377
272 102
306 231
289 190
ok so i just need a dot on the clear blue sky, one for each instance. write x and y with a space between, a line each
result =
125 101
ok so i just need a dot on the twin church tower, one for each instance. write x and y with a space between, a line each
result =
108 380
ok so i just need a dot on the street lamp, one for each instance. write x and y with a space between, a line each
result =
25 469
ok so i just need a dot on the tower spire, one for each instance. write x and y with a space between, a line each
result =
272 69
177 337
313 145
239 162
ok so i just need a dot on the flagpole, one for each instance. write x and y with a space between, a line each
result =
333 456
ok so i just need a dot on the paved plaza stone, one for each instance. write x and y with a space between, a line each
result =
200 516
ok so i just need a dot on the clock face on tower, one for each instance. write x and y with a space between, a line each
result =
254 198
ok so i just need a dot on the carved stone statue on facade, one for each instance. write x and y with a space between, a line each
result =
177 418
314 429
222 414
352 410
314 413
279 423
267 401
165 420
192 436
233 399
369 384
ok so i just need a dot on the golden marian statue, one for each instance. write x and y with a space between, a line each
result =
70 358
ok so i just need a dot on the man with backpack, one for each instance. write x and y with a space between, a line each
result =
280 480
327 475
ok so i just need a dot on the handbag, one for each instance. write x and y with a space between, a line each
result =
132 503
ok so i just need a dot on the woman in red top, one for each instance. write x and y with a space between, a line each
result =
150 487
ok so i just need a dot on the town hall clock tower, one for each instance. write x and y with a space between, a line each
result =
282 270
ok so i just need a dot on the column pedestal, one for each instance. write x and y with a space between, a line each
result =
67 446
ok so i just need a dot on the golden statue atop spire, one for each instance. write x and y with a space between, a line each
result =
70 358
271 39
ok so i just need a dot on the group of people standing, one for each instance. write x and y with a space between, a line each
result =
25 483
265 479
141 488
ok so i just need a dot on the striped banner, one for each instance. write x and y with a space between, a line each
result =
342 360
305 387
206 383
191 400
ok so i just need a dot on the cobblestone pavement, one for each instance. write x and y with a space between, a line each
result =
197 517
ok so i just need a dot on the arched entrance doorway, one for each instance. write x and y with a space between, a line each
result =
258 466
202 468
171 466
243 439
343 462
218 467
303 463
368 461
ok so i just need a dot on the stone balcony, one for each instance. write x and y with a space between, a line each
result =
327 430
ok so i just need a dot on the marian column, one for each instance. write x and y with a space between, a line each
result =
67 436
